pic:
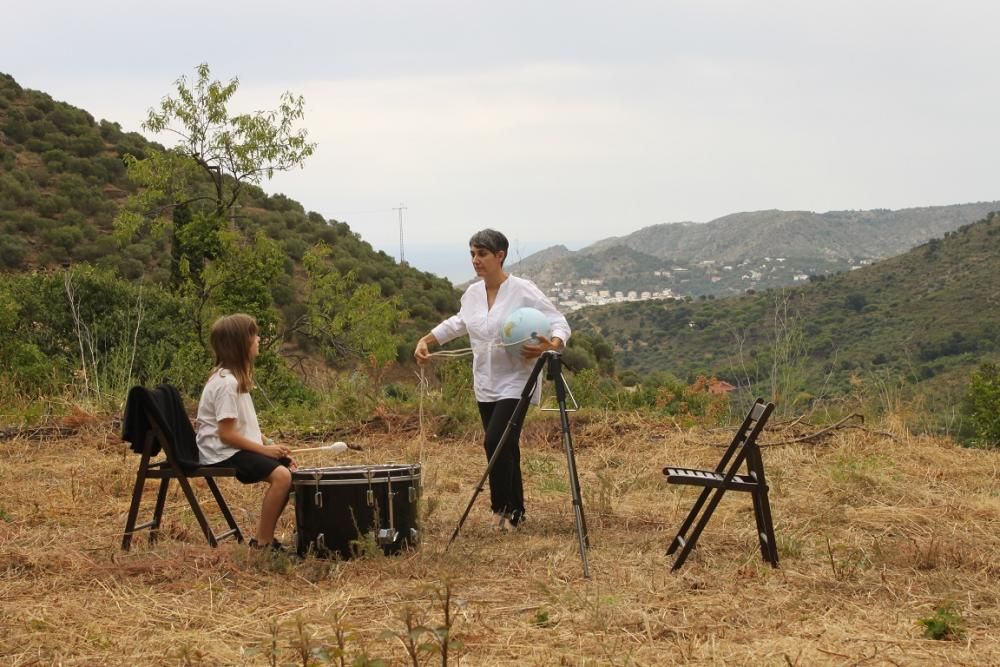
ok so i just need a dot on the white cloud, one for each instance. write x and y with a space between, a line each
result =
566 122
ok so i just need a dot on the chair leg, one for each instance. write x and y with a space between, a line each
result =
196 508
213 485
680 538
133 510
765 509
700 526
758 516
161 500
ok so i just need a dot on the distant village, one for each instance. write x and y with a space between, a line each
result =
589 292
570 296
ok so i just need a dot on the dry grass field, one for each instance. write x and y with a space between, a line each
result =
875 533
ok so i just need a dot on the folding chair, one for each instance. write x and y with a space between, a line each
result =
155 421
726 478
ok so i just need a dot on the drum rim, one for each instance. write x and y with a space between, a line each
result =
357 481
356 474
362 466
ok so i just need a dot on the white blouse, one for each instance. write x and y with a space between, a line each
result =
496 372
221 399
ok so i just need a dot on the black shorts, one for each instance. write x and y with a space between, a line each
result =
251 467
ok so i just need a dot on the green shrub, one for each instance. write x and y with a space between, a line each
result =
87 145
14 192
100 247
52 205
17 126
981 407
8 160
44 129
47 352
578 359
65 237
11 253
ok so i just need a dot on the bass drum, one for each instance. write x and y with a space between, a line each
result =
348 511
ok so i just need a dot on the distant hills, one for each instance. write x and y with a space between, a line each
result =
743 251
62 181
926 317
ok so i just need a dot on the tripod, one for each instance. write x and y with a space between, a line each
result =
554 360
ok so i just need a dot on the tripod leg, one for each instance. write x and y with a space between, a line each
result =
581 523
519 411
574 480
575 487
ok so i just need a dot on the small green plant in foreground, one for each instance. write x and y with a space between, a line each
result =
944 623
542 619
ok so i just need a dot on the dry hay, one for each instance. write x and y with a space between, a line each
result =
874 533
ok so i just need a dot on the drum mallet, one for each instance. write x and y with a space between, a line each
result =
334 447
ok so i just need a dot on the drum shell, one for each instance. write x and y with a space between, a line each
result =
343 511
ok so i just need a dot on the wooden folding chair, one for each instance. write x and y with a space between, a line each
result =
724 478
150 430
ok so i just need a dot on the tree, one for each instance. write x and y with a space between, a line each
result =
229 151
191 190
347 319
855 301
216 157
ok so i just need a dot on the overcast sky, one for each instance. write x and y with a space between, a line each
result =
563 122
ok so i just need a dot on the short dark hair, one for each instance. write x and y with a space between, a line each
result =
490 239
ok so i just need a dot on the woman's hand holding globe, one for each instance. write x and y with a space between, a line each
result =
533 350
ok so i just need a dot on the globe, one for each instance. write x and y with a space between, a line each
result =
522 326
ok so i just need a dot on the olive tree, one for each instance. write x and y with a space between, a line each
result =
190 190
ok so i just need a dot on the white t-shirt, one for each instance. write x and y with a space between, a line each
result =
220 399
496 372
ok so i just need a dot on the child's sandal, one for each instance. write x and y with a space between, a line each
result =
275 545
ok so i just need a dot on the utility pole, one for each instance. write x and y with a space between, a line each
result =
400 208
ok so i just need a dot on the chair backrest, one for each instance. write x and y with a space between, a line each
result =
159 414
755 465
744 443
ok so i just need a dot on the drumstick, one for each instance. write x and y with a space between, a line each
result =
335 447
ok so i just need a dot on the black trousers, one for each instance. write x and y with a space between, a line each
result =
506 486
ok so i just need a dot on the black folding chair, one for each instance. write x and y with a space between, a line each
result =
724 478
155 422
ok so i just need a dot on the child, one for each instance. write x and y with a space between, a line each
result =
227 429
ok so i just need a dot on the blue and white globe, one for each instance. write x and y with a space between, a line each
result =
523 325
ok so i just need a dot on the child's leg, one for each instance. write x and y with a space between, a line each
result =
280 483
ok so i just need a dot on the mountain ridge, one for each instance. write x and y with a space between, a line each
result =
809 243
923 318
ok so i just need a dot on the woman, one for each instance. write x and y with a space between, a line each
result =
499 376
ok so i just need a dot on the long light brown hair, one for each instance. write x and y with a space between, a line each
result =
231 338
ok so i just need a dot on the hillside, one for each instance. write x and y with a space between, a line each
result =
62 181
756 250
928 314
